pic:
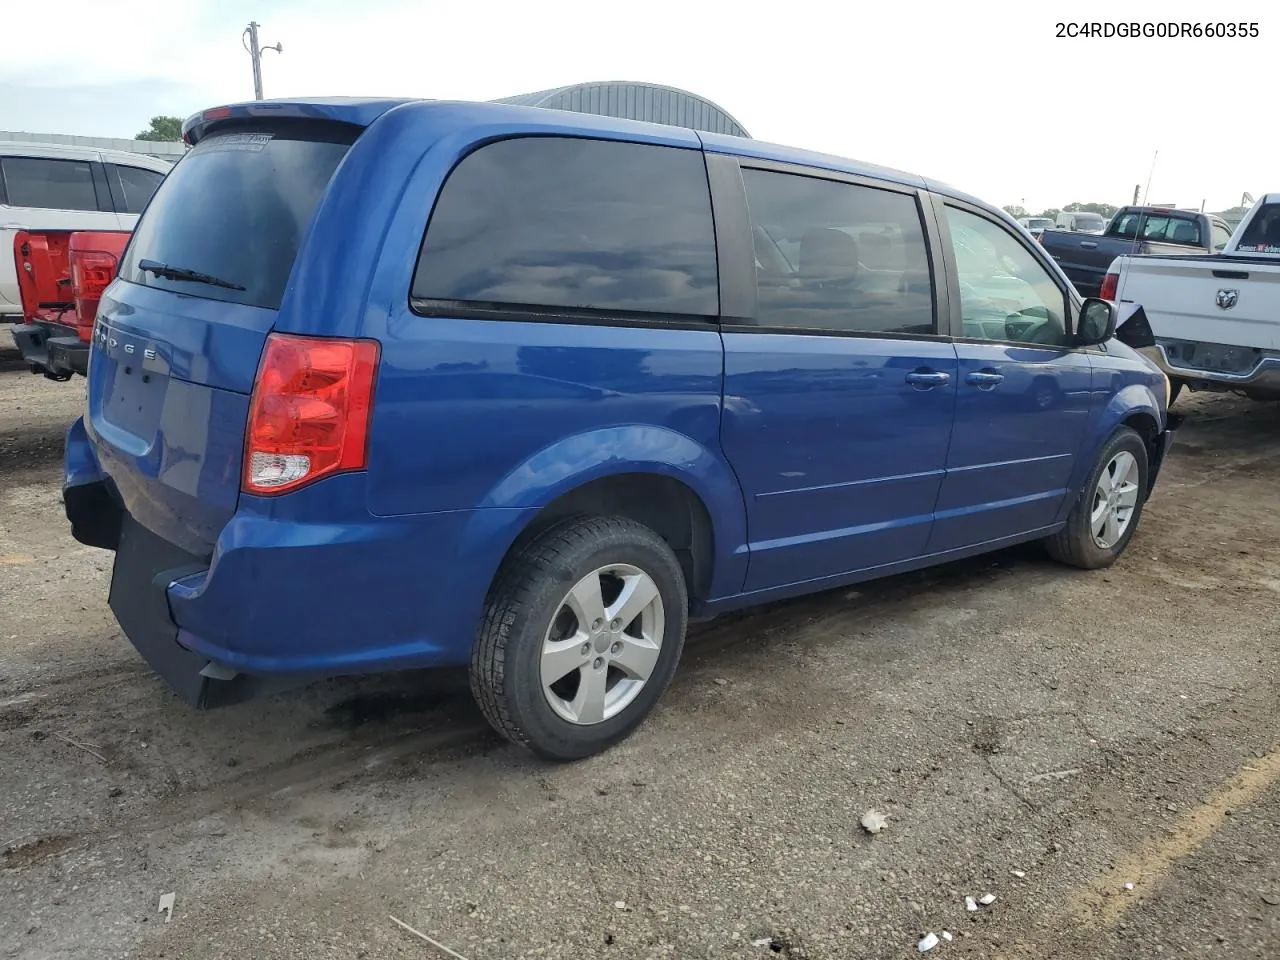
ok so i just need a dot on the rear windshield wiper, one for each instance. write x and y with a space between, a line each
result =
181 273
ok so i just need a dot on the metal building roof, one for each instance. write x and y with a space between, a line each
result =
150 148
636 101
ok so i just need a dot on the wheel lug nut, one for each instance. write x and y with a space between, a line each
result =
586 648
616 648
599 662
597 625
616 625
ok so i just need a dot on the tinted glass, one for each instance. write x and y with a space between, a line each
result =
835 256
1221 235
1005 293
236 207
1159 227
586 224
1263 233
137 186
49 184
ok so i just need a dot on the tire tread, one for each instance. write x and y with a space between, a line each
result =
512 594
1070 544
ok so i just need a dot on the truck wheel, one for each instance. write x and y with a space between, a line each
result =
581 634
1106 514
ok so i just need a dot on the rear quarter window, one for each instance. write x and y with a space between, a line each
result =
563 223
137 185
236 207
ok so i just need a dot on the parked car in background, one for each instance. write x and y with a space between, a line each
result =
1215 320
1036 225
1133 231
1082 222
391 384
53 187
61 277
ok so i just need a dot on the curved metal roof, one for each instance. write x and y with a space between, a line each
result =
636 101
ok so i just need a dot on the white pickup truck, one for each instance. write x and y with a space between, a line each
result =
1215 320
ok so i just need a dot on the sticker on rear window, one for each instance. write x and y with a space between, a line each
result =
243 142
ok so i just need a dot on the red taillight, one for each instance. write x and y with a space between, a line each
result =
309 414
91 273
1110 283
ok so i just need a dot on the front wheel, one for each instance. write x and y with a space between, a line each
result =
1106 514
581 635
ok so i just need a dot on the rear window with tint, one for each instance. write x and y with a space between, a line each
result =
1159 227
1263 233
236 207
578 224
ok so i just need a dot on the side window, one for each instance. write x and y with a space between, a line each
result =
49 184
137 185
1221 236
1005 294
834 256
578 224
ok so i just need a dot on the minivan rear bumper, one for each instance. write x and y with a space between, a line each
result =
284 600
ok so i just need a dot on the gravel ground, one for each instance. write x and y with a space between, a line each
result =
1087 730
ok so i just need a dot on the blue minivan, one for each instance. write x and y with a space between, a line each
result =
387 384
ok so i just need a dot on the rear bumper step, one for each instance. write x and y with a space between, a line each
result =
1262 377
52 349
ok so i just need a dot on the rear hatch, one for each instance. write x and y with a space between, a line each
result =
181 330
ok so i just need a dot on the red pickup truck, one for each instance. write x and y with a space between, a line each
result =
61 276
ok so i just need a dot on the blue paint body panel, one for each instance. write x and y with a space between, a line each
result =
1015 442
840 459
817 462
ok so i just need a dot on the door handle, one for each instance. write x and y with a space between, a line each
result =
925 379
983 378
1089 244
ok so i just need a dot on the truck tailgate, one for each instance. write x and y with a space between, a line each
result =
1207 299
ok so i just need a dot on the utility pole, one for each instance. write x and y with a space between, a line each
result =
1137 190
255 52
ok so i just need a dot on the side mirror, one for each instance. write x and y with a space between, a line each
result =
1097 322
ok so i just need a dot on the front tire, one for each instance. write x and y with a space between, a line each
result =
1106 514
581 635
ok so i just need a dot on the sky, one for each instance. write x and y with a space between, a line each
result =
981 95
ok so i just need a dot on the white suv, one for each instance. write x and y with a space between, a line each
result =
51 187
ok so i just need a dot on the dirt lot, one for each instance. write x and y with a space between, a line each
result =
1086 730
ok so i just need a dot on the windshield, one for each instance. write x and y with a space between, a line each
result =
1089 221
235 210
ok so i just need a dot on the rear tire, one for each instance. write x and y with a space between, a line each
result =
1105 516
554 668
